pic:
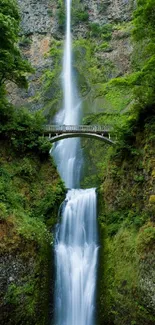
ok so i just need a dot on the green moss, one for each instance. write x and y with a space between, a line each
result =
3 211
146 238
29 185
29 249
79 12
104 31
120 298
61 14
15 293
127 245
152 199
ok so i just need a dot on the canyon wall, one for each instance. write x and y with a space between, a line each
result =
42 30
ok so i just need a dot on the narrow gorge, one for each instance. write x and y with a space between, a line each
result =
77 217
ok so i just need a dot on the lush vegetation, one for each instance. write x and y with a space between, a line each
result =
30 190
12 65
142 80
126 196
23 131
31 193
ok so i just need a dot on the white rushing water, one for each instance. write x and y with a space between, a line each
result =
76 259
76 237
67 153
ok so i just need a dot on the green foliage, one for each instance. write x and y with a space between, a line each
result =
32 243
152 199
22 133
144 20
89 72
3 211
25 41
142 80
134 92
146 238
79 12
50 202
26 190
105 47
121 299
10 198
33 229
30 191
127 173
52 90
26 293
105 31
61 14
26 170
23 130
81 17
12 66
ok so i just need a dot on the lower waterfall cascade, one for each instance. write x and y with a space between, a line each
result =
76 258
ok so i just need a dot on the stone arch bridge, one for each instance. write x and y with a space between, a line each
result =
59 132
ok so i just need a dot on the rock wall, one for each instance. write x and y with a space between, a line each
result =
39 26
37 16
105 11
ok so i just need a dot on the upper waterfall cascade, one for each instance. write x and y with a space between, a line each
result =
67 153
76 237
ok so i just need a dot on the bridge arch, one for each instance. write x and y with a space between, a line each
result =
74 135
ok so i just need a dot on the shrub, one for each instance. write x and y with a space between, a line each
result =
105 31
146 238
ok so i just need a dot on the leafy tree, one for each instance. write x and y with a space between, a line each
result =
12 66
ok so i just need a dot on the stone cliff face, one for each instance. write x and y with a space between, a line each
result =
107 11
37 28
36 16
40 26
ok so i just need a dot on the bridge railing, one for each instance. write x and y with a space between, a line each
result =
76 128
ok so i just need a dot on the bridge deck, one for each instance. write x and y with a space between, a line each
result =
60 129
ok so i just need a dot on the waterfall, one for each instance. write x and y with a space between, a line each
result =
76 257
76 236
67 153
